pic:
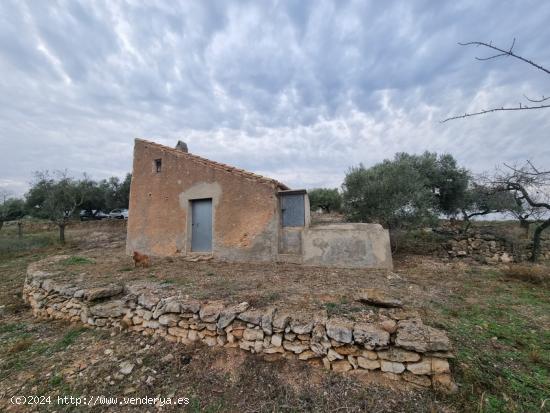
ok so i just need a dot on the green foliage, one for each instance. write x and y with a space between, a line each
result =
59 197
11 209
503 360
55 198
76 260
392 193
408 191
328 200
116 193
481 199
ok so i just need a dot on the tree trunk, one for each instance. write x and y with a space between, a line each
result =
1 224
536 240
62 233
524 224
19 230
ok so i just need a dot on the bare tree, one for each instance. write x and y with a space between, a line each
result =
531 189
531 104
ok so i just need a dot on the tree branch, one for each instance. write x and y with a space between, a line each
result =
503 109
518 187
543 99
503 52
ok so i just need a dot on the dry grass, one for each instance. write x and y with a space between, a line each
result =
474 303
21 345
531 273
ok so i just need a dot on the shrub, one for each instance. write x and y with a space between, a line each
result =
535 274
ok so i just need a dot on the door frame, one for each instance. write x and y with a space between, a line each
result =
189 240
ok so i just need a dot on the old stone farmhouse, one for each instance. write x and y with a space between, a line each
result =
185 205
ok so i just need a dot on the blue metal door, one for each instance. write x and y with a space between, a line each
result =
201 225
292 206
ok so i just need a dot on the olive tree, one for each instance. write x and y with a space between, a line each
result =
56 198
530 188
328 200
10 208
393 194
408 191
483 199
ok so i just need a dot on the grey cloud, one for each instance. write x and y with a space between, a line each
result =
295 90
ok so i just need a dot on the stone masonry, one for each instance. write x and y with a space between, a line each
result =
396 342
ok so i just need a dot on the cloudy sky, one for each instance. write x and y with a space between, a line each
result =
296 90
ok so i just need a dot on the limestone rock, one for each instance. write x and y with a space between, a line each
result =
349 349
301 325
341 366
307 354
392 366
170 320
192 335
277 340
190 306
414 335
397 354
340 330
252 335
246 345
333 355
281 320
369 354
148 300
353 361
109 309
370 335
267 320
167 305
210 312
102 292
126 367
178 331
273 350
444 382
230 313
295 347
379 298
251 316
429 365
423 381
365 363
389 325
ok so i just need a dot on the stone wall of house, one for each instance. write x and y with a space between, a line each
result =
245 218
394 341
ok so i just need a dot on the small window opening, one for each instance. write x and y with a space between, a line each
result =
158 165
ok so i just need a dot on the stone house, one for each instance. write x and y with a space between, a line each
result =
185 205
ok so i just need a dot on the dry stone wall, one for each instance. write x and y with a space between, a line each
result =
490 249
395 342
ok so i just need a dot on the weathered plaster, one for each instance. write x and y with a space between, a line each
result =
347 245
244 209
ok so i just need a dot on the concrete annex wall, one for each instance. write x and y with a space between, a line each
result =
245 207
347 245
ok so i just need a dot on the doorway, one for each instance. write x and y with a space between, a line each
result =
201 225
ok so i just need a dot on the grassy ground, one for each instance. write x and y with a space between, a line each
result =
500 326
502 337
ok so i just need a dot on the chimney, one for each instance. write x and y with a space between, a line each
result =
182 146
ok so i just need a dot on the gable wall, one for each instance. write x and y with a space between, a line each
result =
245 211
